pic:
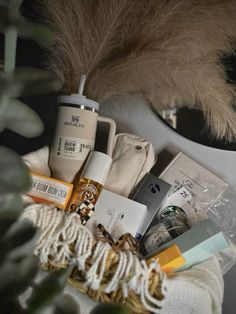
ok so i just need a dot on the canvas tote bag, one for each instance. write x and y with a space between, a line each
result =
133 157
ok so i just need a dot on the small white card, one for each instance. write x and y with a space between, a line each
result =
117 214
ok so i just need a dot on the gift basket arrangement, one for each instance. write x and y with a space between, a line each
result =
126 239
123 229
125 234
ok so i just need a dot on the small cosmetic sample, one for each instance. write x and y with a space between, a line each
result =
90 185
117 214
151 193
197 244
50 191
169 260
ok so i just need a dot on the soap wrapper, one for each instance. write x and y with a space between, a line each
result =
50 191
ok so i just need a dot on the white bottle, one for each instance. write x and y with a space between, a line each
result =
88 189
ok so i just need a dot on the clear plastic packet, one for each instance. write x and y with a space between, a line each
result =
223 212
205 186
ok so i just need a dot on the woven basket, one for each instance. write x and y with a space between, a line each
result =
103 274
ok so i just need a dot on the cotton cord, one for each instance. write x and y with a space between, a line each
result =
92 277
112 286
64 241
144 287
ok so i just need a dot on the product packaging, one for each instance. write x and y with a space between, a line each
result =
50 191
197 244
117 214
151 193
169 259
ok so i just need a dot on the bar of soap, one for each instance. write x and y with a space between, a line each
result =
50 191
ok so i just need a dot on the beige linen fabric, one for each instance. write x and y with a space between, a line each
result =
133 157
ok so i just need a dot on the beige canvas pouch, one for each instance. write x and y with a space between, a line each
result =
133 157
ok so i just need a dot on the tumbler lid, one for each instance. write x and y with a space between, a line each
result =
78 98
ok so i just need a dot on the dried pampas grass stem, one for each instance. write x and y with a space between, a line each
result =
169 50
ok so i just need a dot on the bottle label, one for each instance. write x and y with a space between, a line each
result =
88 192
83 201
72 147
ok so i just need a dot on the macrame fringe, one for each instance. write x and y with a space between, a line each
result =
104 275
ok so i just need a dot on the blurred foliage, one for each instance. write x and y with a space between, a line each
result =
10 18
18 266
111 309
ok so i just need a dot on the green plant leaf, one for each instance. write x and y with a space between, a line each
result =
4 99
38 32
14 173
111 308
8 88
22 119
10 202
7 219
10 50
18 234
47 290
11 206
14 7
8 17
65 304
36 81
29 81
17 275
